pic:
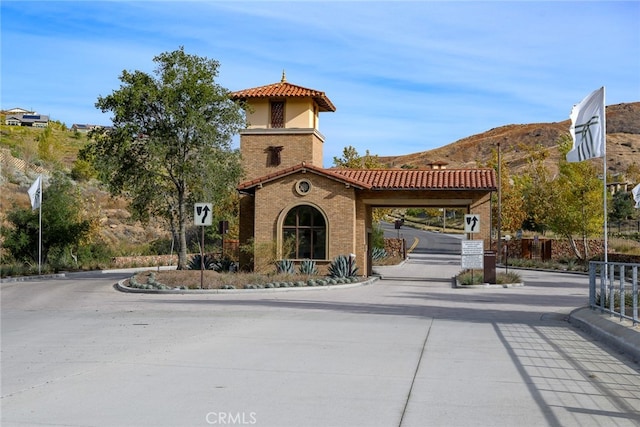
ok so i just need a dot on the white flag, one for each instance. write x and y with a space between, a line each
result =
636 195
588 128
35 193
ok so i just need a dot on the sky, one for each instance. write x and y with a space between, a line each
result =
405 76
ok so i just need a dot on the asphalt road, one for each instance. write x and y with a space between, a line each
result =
425 242
404 351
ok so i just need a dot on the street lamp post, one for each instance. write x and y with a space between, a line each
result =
499 200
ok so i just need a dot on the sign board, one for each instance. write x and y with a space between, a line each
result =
203 213
472 223
473 254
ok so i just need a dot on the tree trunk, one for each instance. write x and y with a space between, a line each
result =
576 251
585 243
182 235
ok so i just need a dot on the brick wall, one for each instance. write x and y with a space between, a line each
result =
297 148
333 199
560 248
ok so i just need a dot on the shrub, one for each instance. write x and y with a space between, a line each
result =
308 267
510 277
471 277
343 266
195 263
378 253
285 266
223 264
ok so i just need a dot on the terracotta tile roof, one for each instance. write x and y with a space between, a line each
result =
393 179
423 179
329 173
283 89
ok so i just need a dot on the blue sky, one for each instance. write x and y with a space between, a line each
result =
405 76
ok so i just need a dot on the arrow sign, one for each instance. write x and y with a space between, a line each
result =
472 223
202 213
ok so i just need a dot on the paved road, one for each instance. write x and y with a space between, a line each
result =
425 242
405 351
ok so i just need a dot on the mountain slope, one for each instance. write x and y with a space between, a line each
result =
623 144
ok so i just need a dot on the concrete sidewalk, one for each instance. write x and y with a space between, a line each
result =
620 334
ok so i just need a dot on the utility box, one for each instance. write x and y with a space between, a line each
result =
490 267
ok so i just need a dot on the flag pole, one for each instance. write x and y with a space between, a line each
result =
40 229
606 214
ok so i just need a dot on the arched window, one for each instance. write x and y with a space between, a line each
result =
305 226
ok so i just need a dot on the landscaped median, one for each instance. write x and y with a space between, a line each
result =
191 281
475 279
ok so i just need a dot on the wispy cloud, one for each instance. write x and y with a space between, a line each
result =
405 76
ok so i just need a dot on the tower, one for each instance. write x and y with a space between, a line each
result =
283 128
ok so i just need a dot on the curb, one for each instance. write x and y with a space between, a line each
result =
489 286
620 335
28 278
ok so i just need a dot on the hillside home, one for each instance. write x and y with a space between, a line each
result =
18 110
32 120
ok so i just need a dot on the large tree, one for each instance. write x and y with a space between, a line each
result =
512 212
534 187
576 207
171 141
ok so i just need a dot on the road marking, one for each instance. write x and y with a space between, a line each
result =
413 246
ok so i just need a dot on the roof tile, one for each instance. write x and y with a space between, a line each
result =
395 179
288 90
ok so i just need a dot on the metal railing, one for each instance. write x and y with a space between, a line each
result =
613 288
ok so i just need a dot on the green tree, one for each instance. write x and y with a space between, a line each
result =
512 208
170 143
352 160
534 187
575 202
65 224
622 206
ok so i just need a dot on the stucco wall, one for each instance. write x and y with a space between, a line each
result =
298 113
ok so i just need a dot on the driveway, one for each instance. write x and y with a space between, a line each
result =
405 351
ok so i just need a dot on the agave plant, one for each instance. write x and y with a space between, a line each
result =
285 266
308 267
195 262
223 264
378 254
343 266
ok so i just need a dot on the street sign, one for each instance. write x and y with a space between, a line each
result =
472 254
202 213
472 223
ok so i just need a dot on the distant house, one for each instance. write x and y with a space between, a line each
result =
18 110
32 120
77 127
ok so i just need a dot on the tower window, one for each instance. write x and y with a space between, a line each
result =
277 114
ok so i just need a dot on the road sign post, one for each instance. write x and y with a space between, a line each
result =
472 255
202 216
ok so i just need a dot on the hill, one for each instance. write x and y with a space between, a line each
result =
22 158
623 144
